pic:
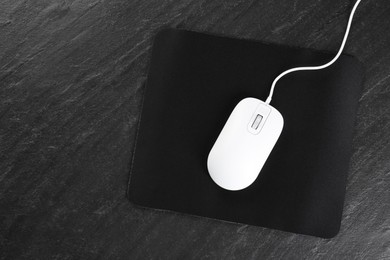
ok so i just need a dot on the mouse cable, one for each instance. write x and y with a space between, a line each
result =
316 67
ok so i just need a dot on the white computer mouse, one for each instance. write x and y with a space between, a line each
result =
244 144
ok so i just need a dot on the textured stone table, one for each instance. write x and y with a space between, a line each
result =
71 83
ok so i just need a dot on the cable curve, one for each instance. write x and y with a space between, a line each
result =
269 98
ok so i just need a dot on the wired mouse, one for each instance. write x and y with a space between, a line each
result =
244 144
251 132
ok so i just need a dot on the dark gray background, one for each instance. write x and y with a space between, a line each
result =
71 83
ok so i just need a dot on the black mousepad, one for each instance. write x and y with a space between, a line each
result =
194 82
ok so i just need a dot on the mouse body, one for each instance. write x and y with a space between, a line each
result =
244 144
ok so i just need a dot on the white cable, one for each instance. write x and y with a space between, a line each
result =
269 98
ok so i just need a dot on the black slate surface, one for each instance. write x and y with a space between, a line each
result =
71 83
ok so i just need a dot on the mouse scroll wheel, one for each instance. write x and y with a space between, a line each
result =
257 121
